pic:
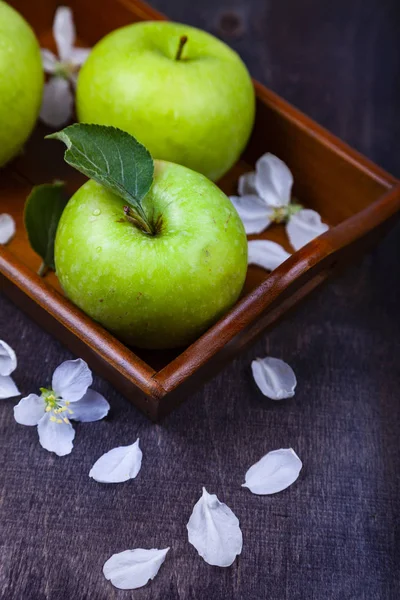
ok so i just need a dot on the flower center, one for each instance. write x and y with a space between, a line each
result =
57 406
65 69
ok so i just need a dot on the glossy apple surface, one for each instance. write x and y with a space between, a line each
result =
197 111
21 82
158 291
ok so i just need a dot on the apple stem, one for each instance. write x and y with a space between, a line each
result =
137 220
43 269
182 43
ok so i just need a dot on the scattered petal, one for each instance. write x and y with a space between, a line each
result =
55 437
273 180
78 56
118 465
64 32
254 213
274 377
304 226
132 569
8 359
92 407
57 102
247 184
72 379
275 472
49 61
7 229
214 531
8 389
29 410
266 254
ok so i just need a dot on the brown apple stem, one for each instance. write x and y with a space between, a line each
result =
137 220
43 270
182 43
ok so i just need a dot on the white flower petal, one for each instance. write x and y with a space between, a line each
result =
55 437
92 407
8 389
304 226
266 254
214 531
72 379
275 472
57 102
247 184
29 410
78 56
64 32
273 180
7 229
49 60
254 213
8 359
132 569
274 377
118 465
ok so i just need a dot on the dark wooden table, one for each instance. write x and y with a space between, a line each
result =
335 534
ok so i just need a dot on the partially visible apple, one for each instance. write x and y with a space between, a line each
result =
153 291
189 102
21 81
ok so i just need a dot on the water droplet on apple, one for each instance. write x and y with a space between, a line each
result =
97 212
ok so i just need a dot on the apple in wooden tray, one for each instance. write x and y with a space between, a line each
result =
180 91
152 250
21 82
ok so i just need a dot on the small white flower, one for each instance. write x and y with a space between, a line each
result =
7 228
8 364
69 398
58 98
265 198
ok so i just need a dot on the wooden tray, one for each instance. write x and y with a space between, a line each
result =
355 197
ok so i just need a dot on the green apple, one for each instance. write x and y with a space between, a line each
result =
161 290
21 81
189 103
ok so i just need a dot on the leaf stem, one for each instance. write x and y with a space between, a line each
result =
43 270
137 220
182 43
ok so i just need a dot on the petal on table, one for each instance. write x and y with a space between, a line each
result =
8 389
55 437
64 32
274 377
79 55
72 379
57 102
214 531
118 465
132 569
304 226
266 254
29 410
273 180
247 184
8 359
254 213
7 229
275 472
92 407
49 60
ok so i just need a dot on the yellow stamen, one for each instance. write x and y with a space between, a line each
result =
53 419
59 420
65 419
67 403
48 408
71 412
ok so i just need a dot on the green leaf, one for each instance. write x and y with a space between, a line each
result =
43 209
113 158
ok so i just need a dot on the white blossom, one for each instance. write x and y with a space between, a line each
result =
7 228
8 364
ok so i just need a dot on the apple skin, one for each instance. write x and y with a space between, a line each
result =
21 82
157 291
197 111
